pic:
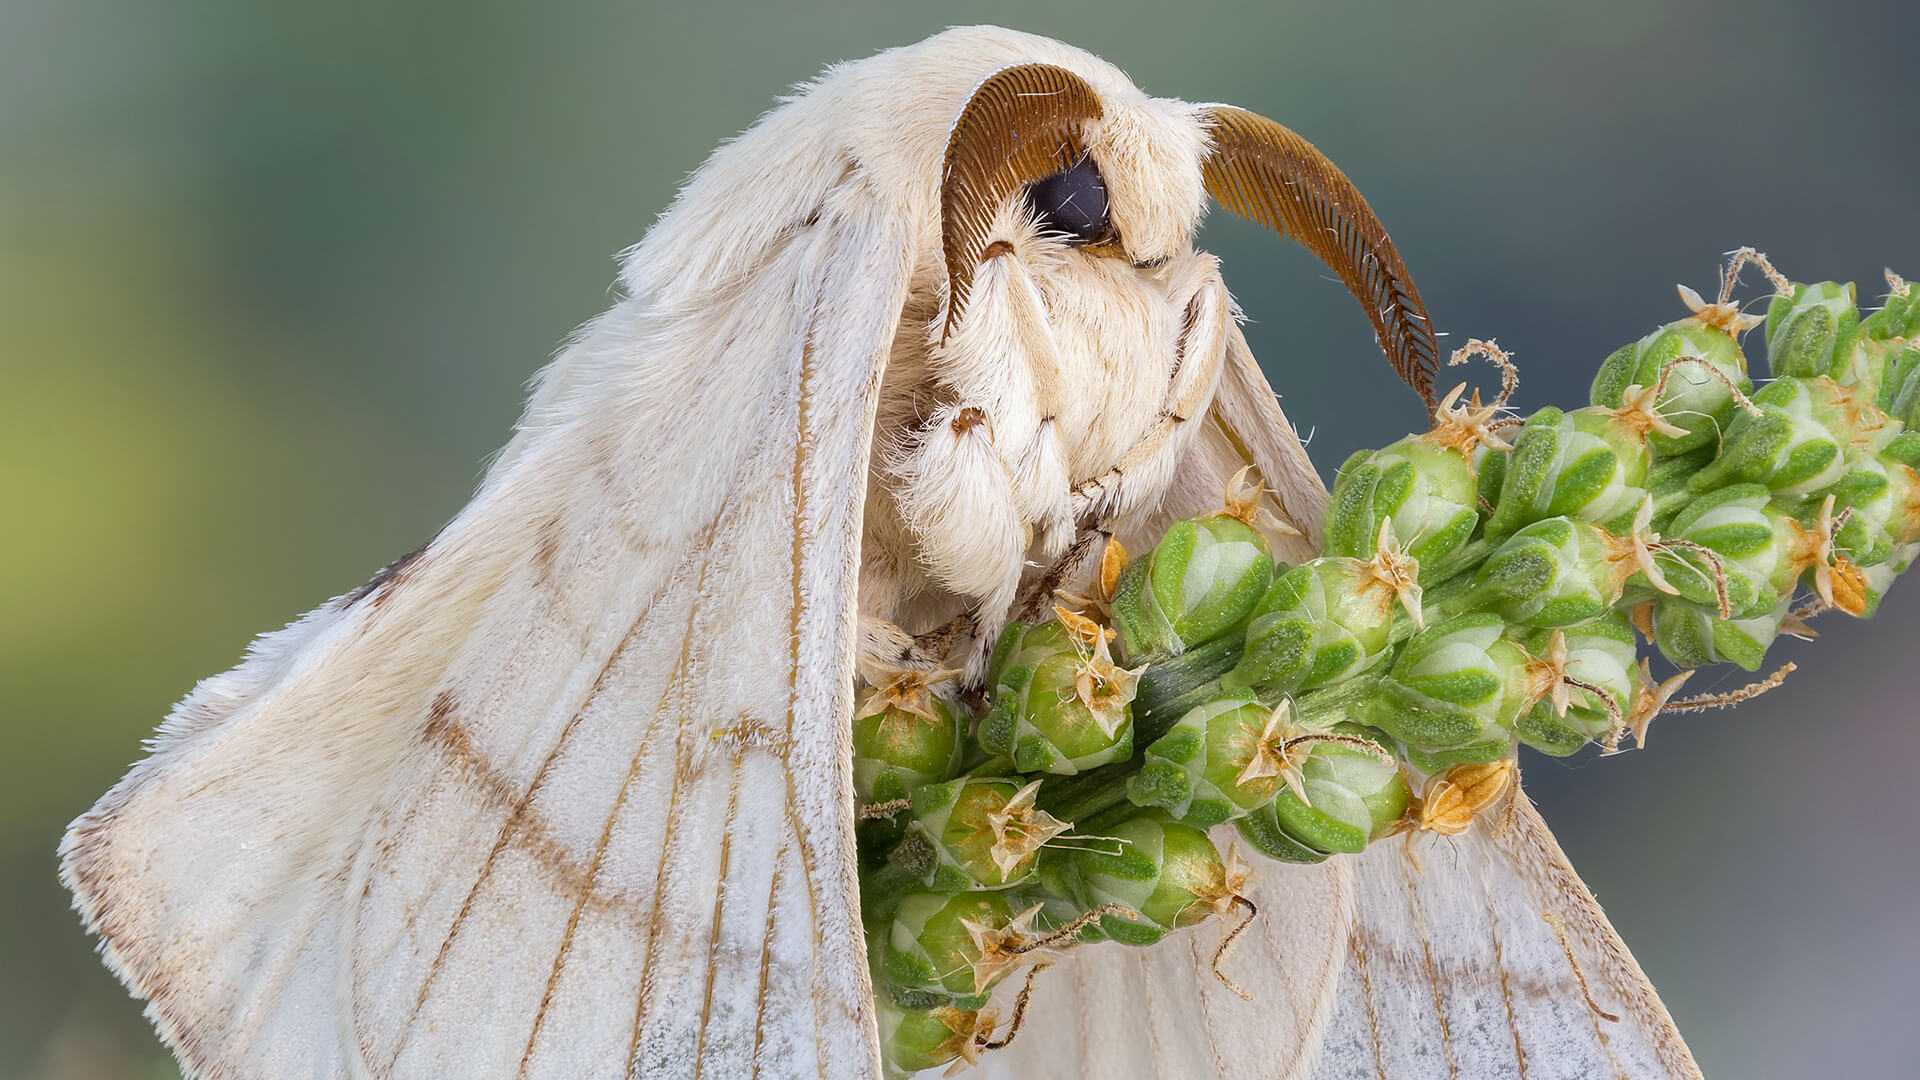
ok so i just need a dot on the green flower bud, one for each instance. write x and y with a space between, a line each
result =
1879 371
1427 490
1884 498
917 1038
1692 636
1600 654
1589 465
1262 832
1456 685
1059 702
1198 583
1202 771
1752 538
1809 330
1696 403
1349 793
1877 578
1788 446
1556 572
1899 390
905 735
1898 317
975 833
956 946
1320 623
1167 872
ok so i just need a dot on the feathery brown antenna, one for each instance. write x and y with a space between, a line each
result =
1264 172
1021 125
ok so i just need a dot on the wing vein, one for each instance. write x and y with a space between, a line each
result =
719 908
766 956
1434 979
677 686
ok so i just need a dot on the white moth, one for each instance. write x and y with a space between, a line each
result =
567 792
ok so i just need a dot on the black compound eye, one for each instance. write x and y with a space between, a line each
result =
1073 202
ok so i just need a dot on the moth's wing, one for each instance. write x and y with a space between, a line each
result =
1486 956
568 794
1119 1012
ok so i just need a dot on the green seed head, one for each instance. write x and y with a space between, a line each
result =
1460 683
927 1037
1696 403
905 735
1879 370
979 832
1556 572
1588 465
1899 316
1425 489
1692 636
1751 538
1320 623
1167 872
1219 762
957 946
1601 656
1350 792
1809 330
1788 446
1198 583
1060 704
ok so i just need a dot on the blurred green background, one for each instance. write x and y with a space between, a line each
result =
272 276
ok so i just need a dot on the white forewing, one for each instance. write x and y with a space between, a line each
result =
1485 956
568 795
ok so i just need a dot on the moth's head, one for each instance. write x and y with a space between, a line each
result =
1004 138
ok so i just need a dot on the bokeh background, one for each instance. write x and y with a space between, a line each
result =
273 274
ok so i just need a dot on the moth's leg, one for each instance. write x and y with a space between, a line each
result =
884 646
987 483
1142 474
955 494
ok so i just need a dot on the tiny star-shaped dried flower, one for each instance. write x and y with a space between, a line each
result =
972 1030
1245 502
1633 553
1228 883
1020 828
1724 316
1104 687
1465 428
1395 574
1640 411
1836 579
902 694
999 949
1650 698
1547 675
1279 750
1864 418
